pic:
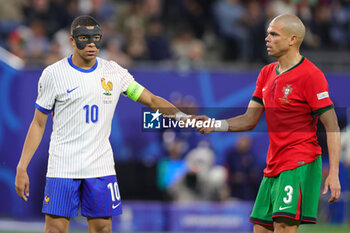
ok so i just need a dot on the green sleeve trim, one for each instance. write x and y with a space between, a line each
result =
321 110
258 100
134 90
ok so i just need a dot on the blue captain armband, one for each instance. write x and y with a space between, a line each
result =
134 90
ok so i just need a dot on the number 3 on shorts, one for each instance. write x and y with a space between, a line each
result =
289 190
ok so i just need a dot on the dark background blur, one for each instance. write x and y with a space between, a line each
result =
175 33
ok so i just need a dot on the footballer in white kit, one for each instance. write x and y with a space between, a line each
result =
83 104
81 92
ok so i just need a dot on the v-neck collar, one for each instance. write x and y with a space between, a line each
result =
278 73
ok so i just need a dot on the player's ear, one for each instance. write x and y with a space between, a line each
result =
72 41
293 40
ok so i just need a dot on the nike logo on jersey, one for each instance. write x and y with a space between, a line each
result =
69 91
115 206
283 208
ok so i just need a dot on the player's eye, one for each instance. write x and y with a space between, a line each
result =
82 38
97 37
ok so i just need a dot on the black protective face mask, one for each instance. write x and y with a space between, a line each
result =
89 33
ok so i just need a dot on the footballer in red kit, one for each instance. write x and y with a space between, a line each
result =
293 101
293 93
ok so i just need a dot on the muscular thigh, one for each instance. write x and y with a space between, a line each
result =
55 223
100 225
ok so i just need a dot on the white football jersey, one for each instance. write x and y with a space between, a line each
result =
83 103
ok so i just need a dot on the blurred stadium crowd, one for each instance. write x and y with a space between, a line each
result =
175 32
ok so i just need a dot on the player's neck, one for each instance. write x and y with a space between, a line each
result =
83 63
288 61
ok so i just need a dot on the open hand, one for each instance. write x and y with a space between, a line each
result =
332 183
22 184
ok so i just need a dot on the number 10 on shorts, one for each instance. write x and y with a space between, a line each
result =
113 187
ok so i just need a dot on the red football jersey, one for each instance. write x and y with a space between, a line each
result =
293 101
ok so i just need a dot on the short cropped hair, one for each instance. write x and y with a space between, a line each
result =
83 20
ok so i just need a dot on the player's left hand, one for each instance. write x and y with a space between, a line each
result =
22 184
332 183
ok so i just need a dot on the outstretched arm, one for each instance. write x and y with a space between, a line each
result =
33 139
330 122
240 123
156 102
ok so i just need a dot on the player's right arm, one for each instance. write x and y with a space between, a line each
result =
244 122
33 139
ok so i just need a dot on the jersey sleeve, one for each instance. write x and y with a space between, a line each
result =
316 93
257 95
125 77
46 93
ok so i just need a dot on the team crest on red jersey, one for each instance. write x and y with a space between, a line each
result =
286 91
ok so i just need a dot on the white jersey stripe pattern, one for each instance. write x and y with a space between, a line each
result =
83 104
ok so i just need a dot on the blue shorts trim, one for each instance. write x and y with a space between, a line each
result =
97 197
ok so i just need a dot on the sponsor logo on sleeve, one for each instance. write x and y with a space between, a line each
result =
322 95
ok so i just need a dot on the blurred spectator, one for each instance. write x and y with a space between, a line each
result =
152 8
136 44
320 25
340 25
37 44
16 41
244 177
11 11
188 50
197 15
132 17
255 21
171 167
279 7
229 17
203 181
216 30
304 11
113 51
132 24
102 10
157 42
53 13
62 38
54 54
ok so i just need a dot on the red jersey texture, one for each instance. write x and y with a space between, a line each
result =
293 101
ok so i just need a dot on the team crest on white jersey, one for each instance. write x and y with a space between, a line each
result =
108 87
